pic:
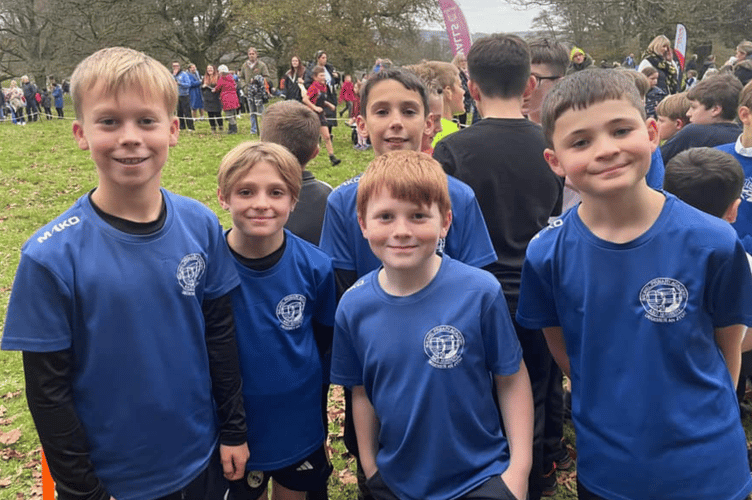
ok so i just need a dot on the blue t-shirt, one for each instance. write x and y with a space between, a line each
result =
657 171
653 403
426 362
280 363
129 307
341 238
743 224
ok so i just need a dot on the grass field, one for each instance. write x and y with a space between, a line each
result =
42 173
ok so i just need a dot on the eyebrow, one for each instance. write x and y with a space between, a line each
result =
615 121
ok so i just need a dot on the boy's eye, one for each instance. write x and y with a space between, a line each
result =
410 112
382 111
278 192
384 217
244 192
579 143
420 216
107 121
622 131
148 121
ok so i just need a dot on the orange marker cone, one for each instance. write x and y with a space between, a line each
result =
48 485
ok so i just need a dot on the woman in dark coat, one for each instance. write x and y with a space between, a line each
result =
294 78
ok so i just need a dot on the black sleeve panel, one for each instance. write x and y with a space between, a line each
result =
345 278
49 393
224 368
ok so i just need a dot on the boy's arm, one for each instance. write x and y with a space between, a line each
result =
516 406
224 368
312 106
366 430
729 340
555 340
49 393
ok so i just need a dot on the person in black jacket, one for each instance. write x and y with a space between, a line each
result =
30 94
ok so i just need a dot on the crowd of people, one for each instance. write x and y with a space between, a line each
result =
588 222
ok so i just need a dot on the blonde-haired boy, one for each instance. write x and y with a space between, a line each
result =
672 115
643 301
447 80
434 334
121 306
284 309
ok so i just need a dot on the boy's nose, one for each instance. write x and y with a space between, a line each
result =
129 134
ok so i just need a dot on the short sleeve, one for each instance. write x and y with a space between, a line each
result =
471 243
326 297
729 295
347 369
40 310
536 308
221 273
334 235
503 351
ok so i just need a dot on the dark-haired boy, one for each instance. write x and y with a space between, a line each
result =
425 342
394 116
712 109
741 149
516 190
643 301
294 126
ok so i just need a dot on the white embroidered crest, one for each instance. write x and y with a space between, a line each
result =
290 311
664 300
190 270
443 345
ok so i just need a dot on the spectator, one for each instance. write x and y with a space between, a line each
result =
660 56
212 102
294 80
197 101
30 92
254 96
578 60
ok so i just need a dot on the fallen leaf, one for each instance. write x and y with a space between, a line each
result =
8 453
10 437
12 394
4 482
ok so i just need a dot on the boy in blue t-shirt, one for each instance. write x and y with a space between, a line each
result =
741 149
424 342
394 115
643 301
285 302
121 307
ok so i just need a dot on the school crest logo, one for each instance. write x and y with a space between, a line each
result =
664 300
290 311
747 190
190 270
444 345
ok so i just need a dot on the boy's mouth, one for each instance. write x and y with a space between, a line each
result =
131 161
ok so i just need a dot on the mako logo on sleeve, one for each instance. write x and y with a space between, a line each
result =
58 228
189 273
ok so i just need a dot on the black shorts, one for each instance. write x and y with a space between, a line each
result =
322 119
310 474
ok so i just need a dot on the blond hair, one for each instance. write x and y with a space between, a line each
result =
674 107
242 158
119 67
659 44
444 74
745 96
409 176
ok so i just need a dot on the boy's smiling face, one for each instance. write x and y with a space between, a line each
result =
395 118
401 233
129 133
603 149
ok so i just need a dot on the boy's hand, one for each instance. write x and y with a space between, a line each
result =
319 109
332 106
233 460
516 482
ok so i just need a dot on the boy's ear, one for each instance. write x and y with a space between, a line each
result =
679 124
732 211
653 135
222 201
174 131
716 110
446 223
553 162
362 225
474 90
360 123
529 87
745 115
78 134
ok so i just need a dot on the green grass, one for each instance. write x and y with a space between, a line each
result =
42 173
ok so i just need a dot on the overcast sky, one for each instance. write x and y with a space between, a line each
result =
492 16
